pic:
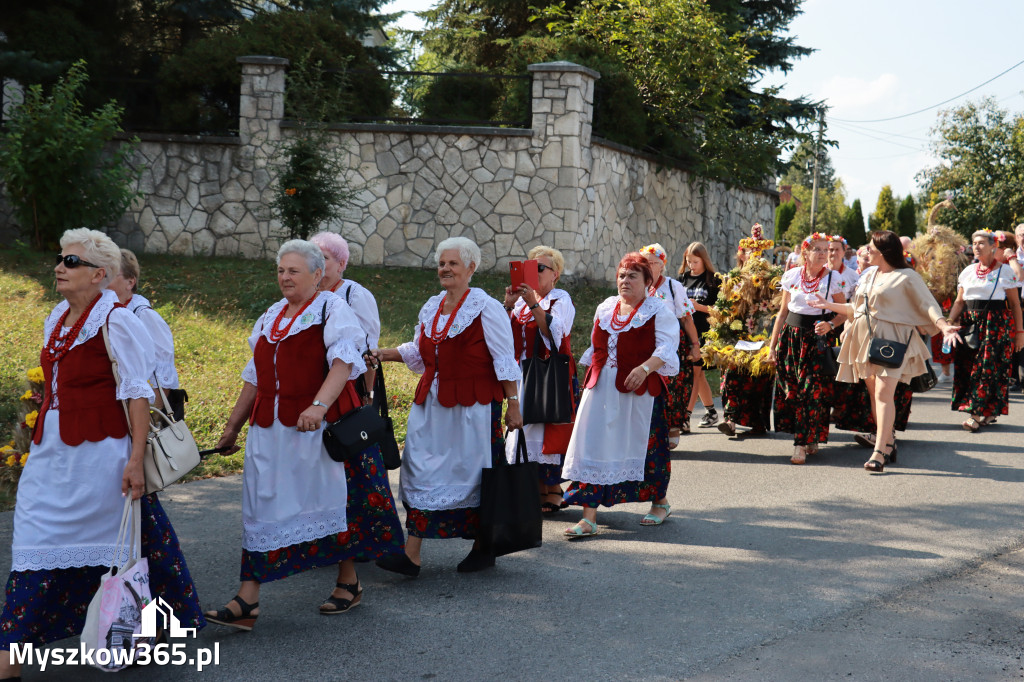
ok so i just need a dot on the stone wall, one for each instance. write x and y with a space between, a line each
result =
508 189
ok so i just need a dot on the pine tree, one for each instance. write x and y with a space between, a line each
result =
907 218
784 215
853 226
884 217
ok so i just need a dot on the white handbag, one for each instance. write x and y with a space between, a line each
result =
171 451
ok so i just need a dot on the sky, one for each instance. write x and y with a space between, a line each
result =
879 59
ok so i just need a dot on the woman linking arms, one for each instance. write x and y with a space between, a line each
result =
463 347
988 303
293 495
619 447
898 302
803 393
678 398
536 315
85 457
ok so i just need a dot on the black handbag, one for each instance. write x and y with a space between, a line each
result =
882 352
547 386
829 358
510 518
971 334
926 381
364 427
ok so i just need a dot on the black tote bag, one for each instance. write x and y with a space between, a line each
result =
547 386
510 518
388 444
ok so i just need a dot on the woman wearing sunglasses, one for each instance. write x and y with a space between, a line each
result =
85 457
539 317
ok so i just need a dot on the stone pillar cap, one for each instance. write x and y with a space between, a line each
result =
262 59
564 67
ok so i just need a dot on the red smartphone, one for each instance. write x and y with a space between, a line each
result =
524 272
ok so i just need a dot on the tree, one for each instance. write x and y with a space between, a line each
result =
906 218
884 217
800 167
831 211
853 225
54 164
980 148
784 215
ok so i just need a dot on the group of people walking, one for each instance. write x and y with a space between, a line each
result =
314 353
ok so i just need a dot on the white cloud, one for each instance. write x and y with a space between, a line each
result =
852 93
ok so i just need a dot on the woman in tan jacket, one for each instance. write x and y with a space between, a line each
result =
898 301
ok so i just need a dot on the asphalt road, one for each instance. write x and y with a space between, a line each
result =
765 571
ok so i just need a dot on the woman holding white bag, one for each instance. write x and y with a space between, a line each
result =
85 458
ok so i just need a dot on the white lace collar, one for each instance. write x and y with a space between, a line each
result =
467 312
138 301
649 308
97 316
312 315
545 303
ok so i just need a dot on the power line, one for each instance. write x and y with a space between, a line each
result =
934 106
856 128
880 139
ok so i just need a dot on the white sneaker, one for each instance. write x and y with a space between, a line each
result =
945 378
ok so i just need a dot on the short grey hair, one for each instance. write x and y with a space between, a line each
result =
308 250
469 252
97 248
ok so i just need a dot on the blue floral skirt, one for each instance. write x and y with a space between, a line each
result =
462 522
374 529
49 605
550 474
657 470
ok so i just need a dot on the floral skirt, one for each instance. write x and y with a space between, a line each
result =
938 357
680 387
746 399
549 474
803 392
49 605
657 469
853 407
455 523
374 529
981 378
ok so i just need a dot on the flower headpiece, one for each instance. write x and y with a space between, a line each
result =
909 259
756 241
998 236
815 237
655 250
839 238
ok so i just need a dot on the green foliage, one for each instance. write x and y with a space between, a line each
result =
884 217
853 226
784 215
800 167
312 184
980 148
55 165
906 218
831 211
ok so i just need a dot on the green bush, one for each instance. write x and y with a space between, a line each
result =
55 163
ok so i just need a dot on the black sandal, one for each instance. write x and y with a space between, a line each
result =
873 465
549 508
340 604
243 621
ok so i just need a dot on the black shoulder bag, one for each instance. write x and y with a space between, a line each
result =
971 334
547 385
510 518
882 352
364 427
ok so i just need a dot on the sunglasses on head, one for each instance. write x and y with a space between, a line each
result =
541 267
72 261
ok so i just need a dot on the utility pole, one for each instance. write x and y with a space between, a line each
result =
817 158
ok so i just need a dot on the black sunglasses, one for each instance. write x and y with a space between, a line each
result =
72 261
541 267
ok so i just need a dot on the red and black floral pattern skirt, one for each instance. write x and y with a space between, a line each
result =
803 392
981 378
746 399
680 387
853 407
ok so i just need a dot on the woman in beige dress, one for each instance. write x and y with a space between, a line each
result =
898 302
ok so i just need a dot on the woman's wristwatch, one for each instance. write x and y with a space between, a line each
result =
645 368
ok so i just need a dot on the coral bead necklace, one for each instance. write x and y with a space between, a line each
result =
809 286
58 345
614 322
435 336
276 333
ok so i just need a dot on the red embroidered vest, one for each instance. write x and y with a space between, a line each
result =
463 367
89 409
528 342
300 367
635 345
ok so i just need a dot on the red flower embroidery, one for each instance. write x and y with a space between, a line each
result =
375 500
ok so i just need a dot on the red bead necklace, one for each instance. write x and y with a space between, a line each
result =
809 286
58 345
276 333
525 314
436 337
614 322
982 272
653 289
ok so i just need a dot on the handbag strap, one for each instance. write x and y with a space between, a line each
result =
117 380
522 455
995 284
380 394
129 534
551 337
867 307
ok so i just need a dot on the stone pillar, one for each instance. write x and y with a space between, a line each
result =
261 108
563 114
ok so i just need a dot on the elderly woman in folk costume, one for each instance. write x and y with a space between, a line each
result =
464 349
307 352
987 307
537 315
746 382
802 389
85 457
680 386
619 447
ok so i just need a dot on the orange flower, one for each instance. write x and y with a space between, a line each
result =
291 191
